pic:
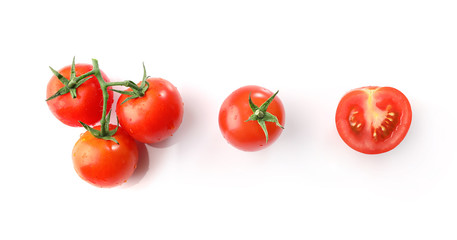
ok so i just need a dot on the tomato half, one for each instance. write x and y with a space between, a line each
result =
373 120
105 163
155 116
86 107
248 135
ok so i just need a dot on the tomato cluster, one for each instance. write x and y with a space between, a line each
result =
370 120
107 155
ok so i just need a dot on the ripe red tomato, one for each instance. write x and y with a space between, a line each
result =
87 107
153 117
105 163
248 135
373 120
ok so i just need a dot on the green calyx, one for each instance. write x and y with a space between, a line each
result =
137 91
104 132
70 85
261 115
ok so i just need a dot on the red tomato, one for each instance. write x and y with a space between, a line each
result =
373 120
87 107
248 135
155 116
104 163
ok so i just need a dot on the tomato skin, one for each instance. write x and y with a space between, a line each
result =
373 120
104 163
155 116
235 110
86 107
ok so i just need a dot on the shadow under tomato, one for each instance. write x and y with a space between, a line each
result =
142 167
191 124
170 141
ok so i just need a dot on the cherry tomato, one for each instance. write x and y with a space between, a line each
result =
105 163
153 117
87 107
235 111
373 120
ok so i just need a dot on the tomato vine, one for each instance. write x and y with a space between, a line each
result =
71 85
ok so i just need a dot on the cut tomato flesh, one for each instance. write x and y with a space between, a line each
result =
373 119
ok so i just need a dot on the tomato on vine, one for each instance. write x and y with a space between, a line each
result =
373 120
74 94
105 155
152 114
251 118
105 163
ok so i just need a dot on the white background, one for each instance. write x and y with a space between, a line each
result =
308 185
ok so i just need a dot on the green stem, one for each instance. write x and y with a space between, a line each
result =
73 82
259 114
104 128
139 91
135 88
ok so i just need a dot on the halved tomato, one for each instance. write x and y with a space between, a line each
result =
373 120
